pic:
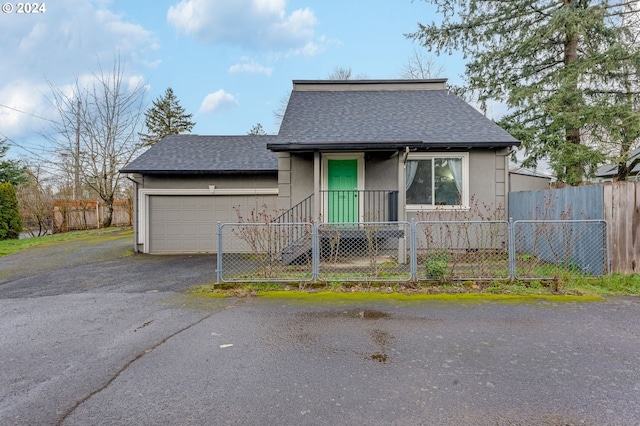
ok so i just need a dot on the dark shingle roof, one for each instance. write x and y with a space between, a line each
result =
611 170
185 154
428 118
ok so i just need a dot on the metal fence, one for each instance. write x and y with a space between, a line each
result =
371 251
265 252
546 248
462 250
411 251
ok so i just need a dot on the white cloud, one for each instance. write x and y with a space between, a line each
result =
217 100
309 49
251 67
255 24
58 47
25 105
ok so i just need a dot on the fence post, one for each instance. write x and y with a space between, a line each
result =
219 255
413 252
606 246
511 240
315 253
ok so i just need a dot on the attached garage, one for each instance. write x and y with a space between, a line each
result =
182 224
171 222
184 187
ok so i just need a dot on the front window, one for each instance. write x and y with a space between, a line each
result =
436 180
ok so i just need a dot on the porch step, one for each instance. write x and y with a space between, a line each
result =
297 252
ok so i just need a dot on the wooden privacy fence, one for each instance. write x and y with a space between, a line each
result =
622 212
618 203
80 214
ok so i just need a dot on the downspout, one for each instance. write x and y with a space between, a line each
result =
402 211
317 196
402 175
134 214
507 179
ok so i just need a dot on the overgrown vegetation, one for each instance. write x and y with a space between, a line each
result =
566 285
10 220
14 246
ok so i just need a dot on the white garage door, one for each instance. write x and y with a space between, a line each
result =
183 224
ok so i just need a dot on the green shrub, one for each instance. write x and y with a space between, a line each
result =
10 220
436 264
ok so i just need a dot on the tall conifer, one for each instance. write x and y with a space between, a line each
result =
166 117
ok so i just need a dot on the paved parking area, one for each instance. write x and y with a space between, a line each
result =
99 336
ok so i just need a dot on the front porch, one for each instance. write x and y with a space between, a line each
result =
345 206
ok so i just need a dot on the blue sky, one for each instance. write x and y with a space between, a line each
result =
230 62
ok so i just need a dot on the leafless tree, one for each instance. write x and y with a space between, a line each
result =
35 198
98 129
421 66
344 73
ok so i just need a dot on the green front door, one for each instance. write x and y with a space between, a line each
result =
342 196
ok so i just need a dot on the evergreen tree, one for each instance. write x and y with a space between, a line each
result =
166 117
547 60
10 170
10 220
257 130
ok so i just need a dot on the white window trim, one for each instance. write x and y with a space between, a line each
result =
145 193
465 180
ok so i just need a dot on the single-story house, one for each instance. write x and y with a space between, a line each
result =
347 151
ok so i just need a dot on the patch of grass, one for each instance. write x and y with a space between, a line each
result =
330 296
608 285
574 286
235 290
14 246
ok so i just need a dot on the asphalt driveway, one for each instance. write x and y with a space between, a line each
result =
104 264
93 335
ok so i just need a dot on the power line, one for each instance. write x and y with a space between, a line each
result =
28 150
26 113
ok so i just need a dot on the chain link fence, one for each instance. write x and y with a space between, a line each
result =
548 248
462 250
265 252
372 251
403 251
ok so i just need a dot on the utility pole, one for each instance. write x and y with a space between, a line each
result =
76 159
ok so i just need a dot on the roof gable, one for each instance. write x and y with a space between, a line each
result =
389 112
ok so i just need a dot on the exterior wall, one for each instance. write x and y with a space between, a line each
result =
487 186
520 182
296 181
488 175
242 193
204 181
301 178
379 173
345 85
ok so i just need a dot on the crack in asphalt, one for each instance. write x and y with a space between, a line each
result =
117 374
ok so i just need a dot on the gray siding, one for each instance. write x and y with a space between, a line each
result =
520 182
178 222
487 188
203 181
381 173
487 178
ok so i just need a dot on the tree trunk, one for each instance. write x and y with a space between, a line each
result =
574 170
108 218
